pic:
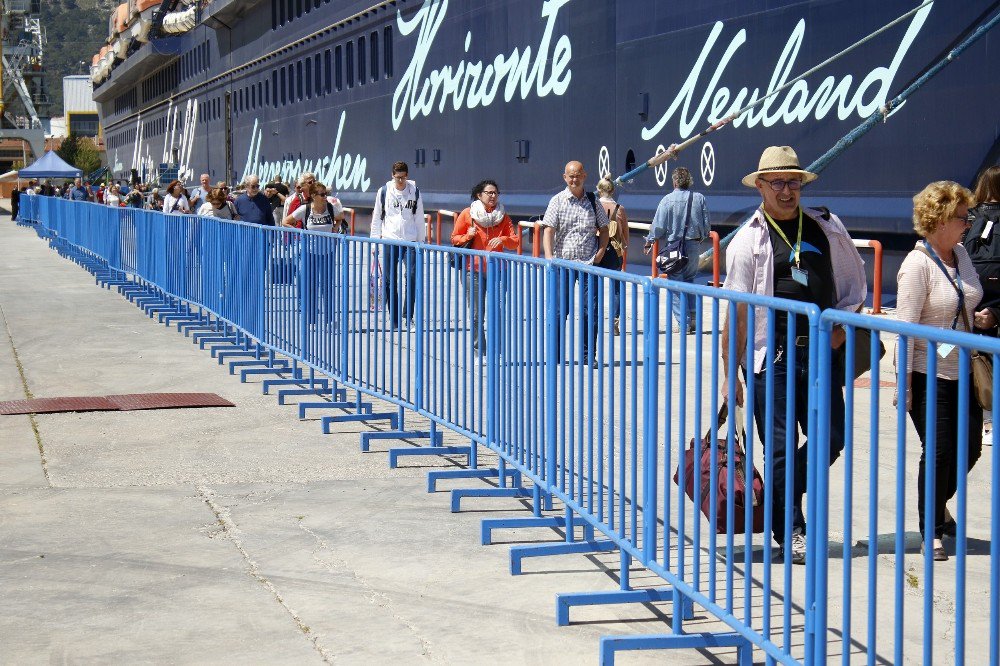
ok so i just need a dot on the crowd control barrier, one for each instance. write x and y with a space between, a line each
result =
596 426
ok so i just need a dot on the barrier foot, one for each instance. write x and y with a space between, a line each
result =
169 320
490 524
204 339
566 601
612 644
365 408
460 493
222 352
396 454
440 474
392 417
274 367
319 387
518 553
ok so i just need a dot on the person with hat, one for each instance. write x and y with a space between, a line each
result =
789 251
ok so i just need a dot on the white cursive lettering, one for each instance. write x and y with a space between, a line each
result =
794 105
473 84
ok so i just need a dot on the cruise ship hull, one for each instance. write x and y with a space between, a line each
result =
513 90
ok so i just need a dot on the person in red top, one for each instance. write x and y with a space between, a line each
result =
484 226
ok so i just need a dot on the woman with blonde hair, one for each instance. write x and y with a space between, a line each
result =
614 256
938 286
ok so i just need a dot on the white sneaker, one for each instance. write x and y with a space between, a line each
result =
988 432
798 548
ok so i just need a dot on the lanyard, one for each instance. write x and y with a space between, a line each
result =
956 283
797 248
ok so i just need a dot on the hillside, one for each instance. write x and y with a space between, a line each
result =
76 30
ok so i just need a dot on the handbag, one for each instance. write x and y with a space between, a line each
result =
982 373
863 351
700 454
672 260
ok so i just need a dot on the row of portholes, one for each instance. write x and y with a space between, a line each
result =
284 11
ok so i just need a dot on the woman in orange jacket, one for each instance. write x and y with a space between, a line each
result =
482 226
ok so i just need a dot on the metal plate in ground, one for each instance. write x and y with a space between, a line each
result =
56 405
133 401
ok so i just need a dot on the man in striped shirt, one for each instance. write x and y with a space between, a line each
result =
800 254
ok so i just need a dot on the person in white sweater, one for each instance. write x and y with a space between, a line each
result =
938 286
399 216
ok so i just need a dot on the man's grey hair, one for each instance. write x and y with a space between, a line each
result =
682 178
252 178
305 176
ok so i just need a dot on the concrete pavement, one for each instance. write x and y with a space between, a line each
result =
237 535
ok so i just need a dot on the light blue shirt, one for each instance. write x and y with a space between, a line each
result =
668 222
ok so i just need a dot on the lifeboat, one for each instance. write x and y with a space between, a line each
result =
107 59
121 18
176 23
95 68
142 14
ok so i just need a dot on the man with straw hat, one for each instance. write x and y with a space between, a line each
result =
800 254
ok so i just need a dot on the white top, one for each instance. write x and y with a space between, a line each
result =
112 199
750 269
319 221
404 213
172 204
209 210
926 296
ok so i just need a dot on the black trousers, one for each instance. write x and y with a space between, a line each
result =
946 442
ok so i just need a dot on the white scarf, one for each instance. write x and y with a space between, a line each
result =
484 219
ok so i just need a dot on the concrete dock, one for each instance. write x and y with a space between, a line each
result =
238 535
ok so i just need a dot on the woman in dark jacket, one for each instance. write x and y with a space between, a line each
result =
982 241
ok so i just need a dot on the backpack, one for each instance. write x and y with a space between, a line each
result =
381 199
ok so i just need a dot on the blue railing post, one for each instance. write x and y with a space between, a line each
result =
818 467
552 320
651 327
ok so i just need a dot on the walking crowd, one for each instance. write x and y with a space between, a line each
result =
951 280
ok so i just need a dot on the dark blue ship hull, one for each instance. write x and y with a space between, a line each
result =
512 90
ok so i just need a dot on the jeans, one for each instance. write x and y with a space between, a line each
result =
946 443
586 305
321 261
780 429
691 249
394 256
475 296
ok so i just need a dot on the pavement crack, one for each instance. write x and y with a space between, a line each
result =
29 395
375 598
232 532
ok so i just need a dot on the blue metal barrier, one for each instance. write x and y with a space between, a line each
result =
588 425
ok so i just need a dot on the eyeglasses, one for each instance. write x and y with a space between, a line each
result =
491 194
249 187
778 185
399 176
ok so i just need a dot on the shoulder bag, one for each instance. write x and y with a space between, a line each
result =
672 259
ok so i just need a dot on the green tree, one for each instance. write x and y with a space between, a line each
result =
67 151
81 153
88 160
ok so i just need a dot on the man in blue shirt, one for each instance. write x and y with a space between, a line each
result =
79 192
669 223
253 206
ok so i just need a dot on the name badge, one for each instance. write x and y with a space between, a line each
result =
801 276
944 349
987 229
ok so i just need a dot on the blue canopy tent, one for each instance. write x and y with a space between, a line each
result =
50 165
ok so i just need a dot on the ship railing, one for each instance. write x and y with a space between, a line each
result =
589 425
877 271
352 213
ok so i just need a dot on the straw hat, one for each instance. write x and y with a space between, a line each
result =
782 159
